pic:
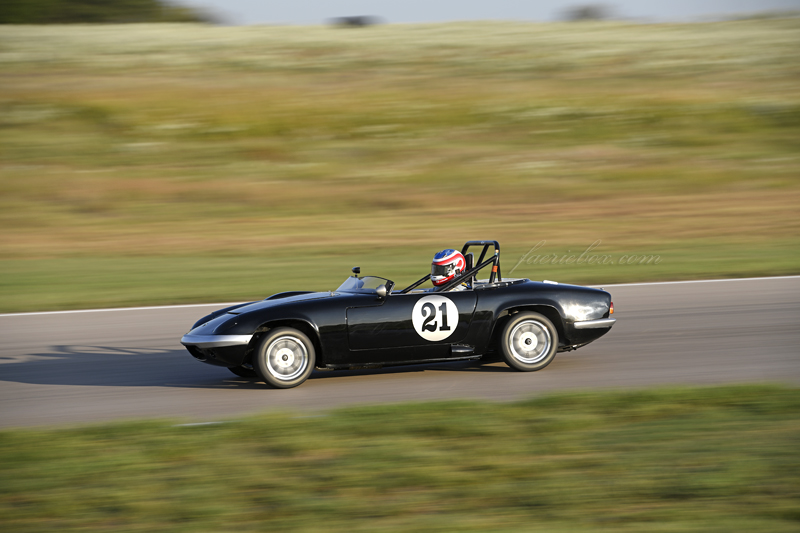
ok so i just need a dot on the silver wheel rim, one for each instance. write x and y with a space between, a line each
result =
287 358
530 341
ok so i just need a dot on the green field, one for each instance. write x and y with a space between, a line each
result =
700 459
147 164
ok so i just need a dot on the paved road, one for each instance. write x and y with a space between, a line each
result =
92 366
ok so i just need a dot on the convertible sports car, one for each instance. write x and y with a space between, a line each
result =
367 323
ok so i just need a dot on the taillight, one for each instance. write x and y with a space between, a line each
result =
611 309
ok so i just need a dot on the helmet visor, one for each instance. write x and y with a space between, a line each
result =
442 270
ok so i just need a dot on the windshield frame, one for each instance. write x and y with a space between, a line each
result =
355 284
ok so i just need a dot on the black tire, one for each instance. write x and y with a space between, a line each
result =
284 358
529 342
243 372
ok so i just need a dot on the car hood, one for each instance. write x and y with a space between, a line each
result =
276 302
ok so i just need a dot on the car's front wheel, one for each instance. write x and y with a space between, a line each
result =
285 358
529 342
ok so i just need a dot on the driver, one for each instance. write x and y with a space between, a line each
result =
447 265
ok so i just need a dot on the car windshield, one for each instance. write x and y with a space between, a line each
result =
366 283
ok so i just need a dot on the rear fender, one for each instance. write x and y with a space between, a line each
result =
549 311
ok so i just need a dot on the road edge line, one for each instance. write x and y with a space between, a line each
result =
220 305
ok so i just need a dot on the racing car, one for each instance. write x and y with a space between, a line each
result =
368 323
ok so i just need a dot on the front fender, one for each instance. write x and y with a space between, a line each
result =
218 313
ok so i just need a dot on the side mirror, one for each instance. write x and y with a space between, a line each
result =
382 291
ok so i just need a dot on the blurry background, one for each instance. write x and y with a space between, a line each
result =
314 11
168 163
180 159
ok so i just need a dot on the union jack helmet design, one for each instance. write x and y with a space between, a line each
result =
446 265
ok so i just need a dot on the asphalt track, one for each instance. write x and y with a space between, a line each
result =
88 366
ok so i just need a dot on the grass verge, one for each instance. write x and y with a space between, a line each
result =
98 282
710 459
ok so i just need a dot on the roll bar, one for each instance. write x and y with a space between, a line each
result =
494 260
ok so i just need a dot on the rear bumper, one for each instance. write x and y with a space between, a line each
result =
585 331
594 324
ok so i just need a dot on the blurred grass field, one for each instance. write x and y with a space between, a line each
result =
149 164
697 459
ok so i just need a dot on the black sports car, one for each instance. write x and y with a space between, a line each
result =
367 323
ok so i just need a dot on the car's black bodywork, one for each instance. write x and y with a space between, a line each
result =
357 326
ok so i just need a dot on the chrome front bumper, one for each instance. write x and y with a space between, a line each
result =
592 324
215 341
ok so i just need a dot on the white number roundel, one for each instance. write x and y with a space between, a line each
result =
435 318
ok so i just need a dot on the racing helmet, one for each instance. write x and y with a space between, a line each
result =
446 265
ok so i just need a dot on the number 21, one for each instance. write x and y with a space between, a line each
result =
429 312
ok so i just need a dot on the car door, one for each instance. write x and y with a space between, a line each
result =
409 327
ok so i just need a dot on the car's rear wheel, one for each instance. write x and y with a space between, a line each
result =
285 358
529 342
243 372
